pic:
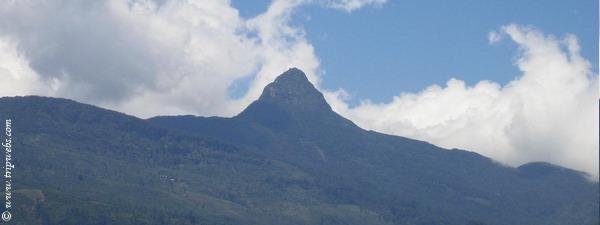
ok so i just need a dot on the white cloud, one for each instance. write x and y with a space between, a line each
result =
16 77
549 113
148 57
351 5
494 36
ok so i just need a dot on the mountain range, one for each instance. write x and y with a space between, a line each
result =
288 158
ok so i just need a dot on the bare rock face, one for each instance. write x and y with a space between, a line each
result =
292 91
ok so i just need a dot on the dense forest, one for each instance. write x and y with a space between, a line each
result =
286 159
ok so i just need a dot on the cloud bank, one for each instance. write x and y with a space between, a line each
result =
148 57
549 113
170 57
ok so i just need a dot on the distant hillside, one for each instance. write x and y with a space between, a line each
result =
286 159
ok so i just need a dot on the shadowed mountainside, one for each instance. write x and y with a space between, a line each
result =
286 159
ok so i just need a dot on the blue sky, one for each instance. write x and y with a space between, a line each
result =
405 46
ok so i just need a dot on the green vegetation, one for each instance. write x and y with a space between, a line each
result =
284 160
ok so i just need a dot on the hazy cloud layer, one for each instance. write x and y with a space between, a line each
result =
351 5
549 113
149 58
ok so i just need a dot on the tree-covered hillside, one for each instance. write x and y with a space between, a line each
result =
287 159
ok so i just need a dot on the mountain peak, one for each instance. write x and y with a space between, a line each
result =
292 75
291 97
293 91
